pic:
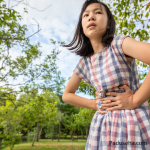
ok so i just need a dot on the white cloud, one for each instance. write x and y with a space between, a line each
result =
58 22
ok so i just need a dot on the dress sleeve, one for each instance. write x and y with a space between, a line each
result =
80 70
117 44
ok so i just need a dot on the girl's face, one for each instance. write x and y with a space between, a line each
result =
94 21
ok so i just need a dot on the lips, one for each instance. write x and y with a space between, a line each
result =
91 24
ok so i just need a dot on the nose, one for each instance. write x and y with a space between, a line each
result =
91 17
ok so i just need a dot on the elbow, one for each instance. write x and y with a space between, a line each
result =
63 98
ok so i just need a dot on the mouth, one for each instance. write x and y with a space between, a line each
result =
91 25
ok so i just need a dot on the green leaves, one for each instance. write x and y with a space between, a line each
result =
31 71
147 15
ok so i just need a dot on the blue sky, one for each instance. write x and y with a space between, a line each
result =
57 22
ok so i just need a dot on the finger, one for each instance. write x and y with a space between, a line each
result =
104 108
125 87
107 101
104 102
112 93
108 98
109 104
113 108
102 112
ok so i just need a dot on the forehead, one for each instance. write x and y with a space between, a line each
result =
94 6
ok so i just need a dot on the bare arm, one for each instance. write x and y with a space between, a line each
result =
140 51
70 97
143 93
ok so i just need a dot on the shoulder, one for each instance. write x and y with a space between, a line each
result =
118 39
81 62
84 59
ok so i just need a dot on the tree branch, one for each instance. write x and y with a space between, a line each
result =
35 32
23 38
29 5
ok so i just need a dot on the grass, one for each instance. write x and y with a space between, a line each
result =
45 144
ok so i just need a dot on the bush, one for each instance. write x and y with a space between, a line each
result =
64 135
24 139
48 136
0 143
30 136
10 141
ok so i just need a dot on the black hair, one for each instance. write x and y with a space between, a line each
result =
82 43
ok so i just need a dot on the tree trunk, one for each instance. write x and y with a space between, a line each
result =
40 134
34 135
59 132
52 131
37 131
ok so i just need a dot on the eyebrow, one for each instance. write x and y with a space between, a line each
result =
93 9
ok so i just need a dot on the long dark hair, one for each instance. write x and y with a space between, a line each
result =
80 43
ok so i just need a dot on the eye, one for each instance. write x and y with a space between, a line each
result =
98 12
85 15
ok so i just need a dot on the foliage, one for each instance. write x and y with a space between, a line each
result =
24 68
41 85
24 116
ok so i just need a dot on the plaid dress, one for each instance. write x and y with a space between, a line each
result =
121 129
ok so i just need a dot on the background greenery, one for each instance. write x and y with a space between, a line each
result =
35 110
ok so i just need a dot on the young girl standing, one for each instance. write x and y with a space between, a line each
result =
107 63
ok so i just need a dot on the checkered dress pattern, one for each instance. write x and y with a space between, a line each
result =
121 129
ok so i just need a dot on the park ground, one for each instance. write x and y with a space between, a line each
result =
45 144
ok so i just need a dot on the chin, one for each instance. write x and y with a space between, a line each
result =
92 35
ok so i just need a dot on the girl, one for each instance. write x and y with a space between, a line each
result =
107 63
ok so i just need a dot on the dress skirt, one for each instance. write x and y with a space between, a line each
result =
120 130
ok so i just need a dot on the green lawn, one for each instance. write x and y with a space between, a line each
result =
45 144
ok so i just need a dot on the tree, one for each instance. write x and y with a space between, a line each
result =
60 117
25 65
10 118
71 124
84 118
34 109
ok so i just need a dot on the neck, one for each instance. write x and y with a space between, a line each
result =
97 46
